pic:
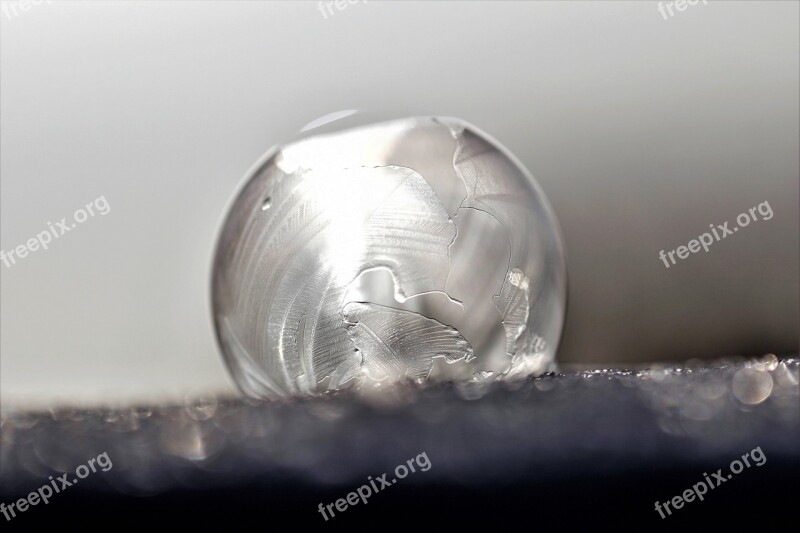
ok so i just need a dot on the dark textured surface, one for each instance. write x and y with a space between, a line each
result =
557 449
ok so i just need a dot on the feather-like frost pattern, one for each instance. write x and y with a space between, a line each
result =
395 343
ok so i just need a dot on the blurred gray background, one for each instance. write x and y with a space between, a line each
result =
641 129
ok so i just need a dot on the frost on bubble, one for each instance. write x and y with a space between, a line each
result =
379 272
396 343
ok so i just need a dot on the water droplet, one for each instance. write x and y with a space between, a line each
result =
201 408
751 386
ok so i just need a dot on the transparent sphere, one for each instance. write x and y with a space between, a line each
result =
415 249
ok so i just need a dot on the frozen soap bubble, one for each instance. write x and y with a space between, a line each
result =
408 250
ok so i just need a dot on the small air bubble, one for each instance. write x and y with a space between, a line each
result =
267 203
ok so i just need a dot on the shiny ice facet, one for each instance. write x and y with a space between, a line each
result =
415 249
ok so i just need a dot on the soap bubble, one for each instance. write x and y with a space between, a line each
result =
414 250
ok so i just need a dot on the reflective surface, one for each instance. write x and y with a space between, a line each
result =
415 249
